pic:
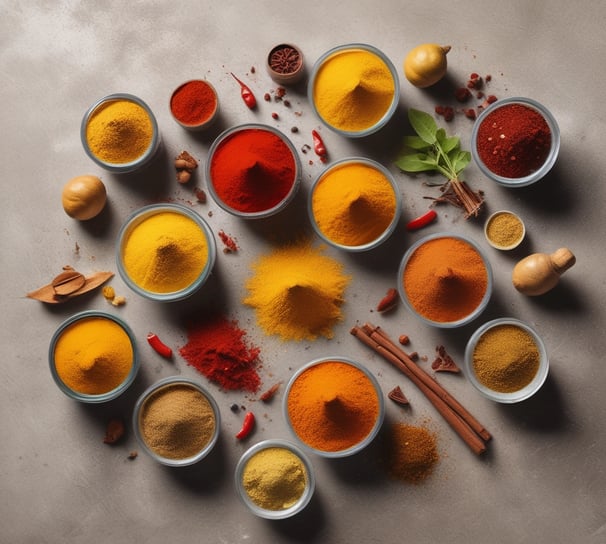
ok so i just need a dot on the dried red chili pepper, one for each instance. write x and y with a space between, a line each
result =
388 301
421 221
159 346
247 426
319 146
269 394
246 93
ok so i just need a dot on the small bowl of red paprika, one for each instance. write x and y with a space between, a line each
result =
194 104
515 141
253 171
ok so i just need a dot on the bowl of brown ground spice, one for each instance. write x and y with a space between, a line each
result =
506 360
176 421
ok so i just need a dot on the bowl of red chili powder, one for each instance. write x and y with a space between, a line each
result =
445 280
194 104
253 171
515 141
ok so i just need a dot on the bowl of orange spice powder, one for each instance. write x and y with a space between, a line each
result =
93 357
445 280
334 406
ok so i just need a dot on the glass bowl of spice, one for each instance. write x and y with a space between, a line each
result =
285 64
334 406
93 357
504 230
253 171
354 89
194 104
445 280
355 204
165 252
120 133
176 421
515 141
275 479
506 360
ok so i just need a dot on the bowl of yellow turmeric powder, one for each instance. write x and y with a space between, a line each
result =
93 357
355 204
274 478
334 406
120 133
354 89
165 252
506 360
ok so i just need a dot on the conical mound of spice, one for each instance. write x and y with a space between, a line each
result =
297 292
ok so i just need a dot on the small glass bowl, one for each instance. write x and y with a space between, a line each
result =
140 215
286 78
369 437
142 160
516 396
550 159
355 47
155 388
392 225
205 123
264 512
84 397
261 214
479 308
494 243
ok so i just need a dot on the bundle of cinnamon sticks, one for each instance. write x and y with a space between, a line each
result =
465 425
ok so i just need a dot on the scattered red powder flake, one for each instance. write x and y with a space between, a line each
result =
217 348
230 244
462 94
470 113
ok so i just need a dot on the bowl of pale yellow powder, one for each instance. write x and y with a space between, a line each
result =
274 479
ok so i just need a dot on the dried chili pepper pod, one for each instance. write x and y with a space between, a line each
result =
159 346
319 146
246 93
247 426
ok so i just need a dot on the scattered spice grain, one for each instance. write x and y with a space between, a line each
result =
411 452
114 431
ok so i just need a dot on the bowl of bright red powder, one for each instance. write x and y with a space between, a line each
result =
515 142
253 171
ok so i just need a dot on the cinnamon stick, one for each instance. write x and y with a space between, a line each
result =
459 425
377 334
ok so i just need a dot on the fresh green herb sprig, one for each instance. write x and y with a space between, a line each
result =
432 150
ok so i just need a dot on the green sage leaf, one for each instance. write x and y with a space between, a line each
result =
416 162
462 159
424 125
450 144
414 142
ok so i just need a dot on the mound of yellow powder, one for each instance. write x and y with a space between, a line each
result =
297 292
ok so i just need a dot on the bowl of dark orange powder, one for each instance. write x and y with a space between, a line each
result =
445 280
194 104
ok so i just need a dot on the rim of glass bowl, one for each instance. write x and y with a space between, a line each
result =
553 151
196 126
525 392
386 233
168 382
84 397
497 246
394 74
309 487
485 299
122 168
369 437
263 213
136 218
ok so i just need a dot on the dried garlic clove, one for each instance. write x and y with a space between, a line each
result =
68 282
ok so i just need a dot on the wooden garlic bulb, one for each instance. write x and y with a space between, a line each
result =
540 272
